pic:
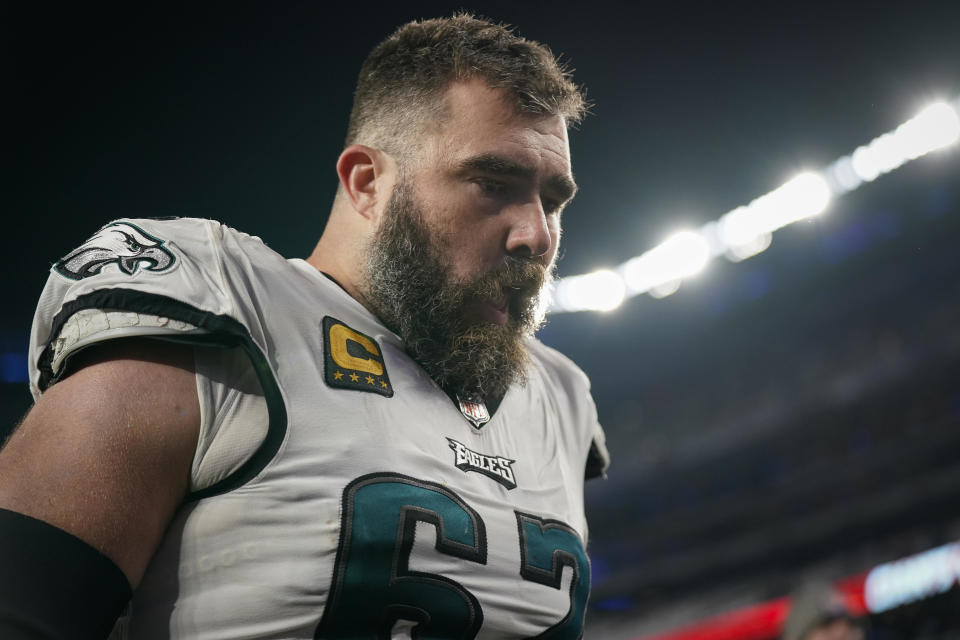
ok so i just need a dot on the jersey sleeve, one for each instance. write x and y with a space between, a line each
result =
598 457
133 278
171 280
587 439
234 416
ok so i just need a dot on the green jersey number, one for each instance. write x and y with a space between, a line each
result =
374 588
546 546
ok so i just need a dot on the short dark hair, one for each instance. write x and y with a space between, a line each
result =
404 78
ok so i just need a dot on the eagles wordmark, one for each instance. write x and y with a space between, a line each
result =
496 467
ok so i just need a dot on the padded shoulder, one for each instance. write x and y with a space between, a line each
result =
138 277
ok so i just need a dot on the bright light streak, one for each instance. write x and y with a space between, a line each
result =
916 577
601 290
744 229
935 127
844 176
680 256
739 227
758 244
665 289
805 196
865 164
747 230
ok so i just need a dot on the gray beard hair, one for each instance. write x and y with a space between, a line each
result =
409 287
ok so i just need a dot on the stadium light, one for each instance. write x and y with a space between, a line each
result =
682 255
804 196
665 289
747 230
843 176
602 290
935 127
758 244
914 578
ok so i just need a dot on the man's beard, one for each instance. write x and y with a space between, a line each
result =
410 288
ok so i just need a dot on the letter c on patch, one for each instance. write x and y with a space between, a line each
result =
339 334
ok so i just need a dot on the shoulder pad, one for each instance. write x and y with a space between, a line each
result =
134 277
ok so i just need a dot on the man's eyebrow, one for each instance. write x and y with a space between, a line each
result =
495 164
561 185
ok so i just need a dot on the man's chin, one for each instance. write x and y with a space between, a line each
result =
486 359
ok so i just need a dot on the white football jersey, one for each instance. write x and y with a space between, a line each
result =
336 491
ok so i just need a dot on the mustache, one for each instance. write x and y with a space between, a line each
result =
522 278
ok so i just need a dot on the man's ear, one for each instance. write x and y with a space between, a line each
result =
367 176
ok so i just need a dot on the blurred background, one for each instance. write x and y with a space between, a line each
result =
789 417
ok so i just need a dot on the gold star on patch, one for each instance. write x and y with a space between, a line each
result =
369 379
337 375
383 383
354 377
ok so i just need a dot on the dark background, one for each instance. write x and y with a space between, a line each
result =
791 416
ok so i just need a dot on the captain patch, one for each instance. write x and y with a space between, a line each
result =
125 245
495 467
352 360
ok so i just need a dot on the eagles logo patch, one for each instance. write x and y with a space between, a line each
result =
352 360
120 243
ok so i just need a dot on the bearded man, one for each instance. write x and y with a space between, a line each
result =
365 444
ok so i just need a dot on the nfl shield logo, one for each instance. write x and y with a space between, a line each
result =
474 410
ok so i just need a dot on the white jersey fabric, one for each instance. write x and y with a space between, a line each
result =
323 505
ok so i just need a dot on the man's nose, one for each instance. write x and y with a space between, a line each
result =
529 234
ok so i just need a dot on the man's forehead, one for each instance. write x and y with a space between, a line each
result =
480 121
474 95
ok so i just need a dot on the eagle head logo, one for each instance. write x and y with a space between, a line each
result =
119 243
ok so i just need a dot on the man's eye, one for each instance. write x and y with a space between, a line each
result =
550 205
490 186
